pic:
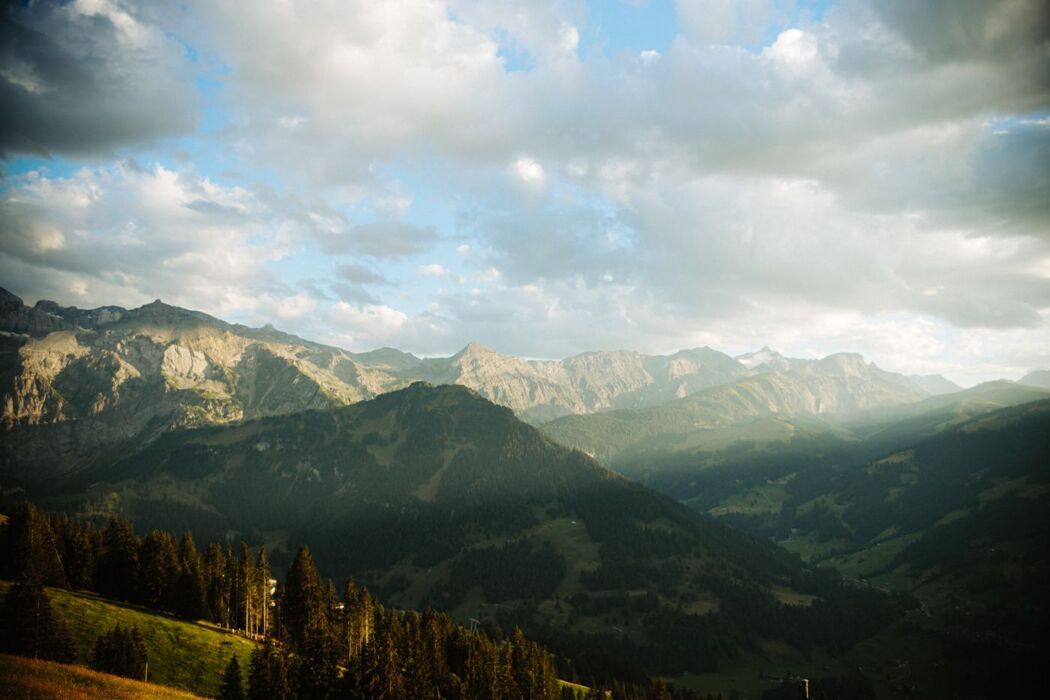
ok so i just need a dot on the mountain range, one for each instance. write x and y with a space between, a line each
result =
433 495
76 384
643 514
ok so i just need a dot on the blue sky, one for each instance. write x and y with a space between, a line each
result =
545 177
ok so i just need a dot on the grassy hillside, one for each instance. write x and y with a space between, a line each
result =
183 655
32 679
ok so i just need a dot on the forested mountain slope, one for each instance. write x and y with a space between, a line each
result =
436 496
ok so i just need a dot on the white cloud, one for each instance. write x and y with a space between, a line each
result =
530 172
432 270
841 180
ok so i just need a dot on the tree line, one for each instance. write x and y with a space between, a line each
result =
315 642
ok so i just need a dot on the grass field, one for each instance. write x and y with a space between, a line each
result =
184 655
30 679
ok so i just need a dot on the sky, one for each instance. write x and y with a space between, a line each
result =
545 177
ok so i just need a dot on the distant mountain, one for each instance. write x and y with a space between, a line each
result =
1039 378
539 390
809 389
934 384
765 360
108 379
79 385
435 496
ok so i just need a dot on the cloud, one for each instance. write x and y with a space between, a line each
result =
380 239
887 162
121 235
720 21
88 77
432 270
358 274
529 172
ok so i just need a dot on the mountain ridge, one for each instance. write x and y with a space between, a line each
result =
76 382
433 495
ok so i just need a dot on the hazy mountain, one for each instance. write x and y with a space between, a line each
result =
78 384
1039 378
765 360
436 496
837 384
934 384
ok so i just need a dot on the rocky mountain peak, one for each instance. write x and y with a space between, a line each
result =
473 350
764 359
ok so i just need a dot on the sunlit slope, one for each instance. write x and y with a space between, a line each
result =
183 655
34 679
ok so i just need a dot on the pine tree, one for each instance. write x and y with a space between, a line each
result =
263 593
269 675
118 569
32 552
234 590
231 688
28 625
303 609
121 652
216 586
158 570
76 548
189 589
245 585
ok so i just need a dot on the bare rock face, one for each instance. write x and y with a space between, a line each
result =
108 378
541 390
78 382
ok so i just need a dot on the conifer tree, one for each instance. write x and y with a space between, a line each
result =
158 570
245 583
233 589
76 547
28 625
231 688
269 675
32 552
304 600
121 652
263 593
216 585
117 574
189 590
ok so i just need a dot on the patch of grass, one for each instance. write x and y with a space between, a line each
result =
766 499
32 679
185 655
579 691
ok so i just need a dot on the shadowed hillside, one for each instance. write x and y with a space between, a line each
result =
433 495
